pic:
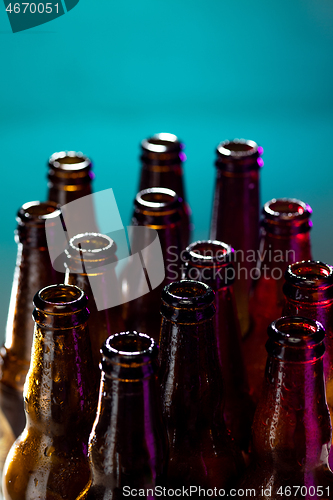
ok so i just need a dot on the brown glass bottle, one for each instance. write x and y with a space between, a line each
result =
128 444
291 428
309 293
211 262
49 459
157 209
162 166
91 265
235 216
201 453
285 238
33 271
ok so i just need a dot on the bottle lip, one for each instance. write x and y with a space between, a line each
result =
238 149
156 200
309 273
162 143
70 161
89 250
209 253
296 332
60 299
286 210
188 295
38 212
127 347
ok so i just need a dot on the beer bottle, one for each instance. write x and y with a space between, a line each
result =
291 428
162 166
33 271
309 293
235 216
285 238
201 452
128 444
91 265
49 459
211 262
157 209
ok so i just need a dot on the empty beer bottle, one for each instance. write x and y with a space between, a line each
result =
285 238
49 459
291 428
201 452
156 246
162 166
211 262
309 293
33 271
91 265
235 217
128 444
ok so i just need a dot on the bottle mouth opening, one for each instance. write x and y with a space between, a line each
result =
209 253
60 299
294 331
239 148
128 344
286 209
188 294
162 143
309 273
69 160
156 198
91 243
36 210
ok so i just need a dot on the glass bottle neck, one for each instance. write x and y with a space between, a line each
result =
292 423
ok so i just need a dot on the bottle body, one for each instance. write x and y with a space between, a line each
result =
156 241
285 238
235 215
291 429
201 452
162 166
211 262
128 443
49 459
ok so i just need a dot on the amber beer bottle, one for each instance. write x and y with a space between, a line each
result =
157 209
49 459
285 238
33 271
201 452
91 265
291 428
128 444
211 262
235 216
162 166
309 293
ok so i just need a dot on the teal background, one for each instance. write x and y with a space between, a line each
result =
107 74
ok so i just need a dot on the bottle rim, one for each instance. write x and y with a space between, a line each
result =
69 161
162 143
209 253
238 149
296 332
38 212
129 345
286 210
60 299
157 200
309 273
188 295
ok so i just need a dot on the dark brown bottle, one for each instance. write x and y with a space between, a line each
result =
33 271
211 262
309 293
162 166
128 444
91 265
291 428
201 452
285 238
235 217
49 459
155 261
